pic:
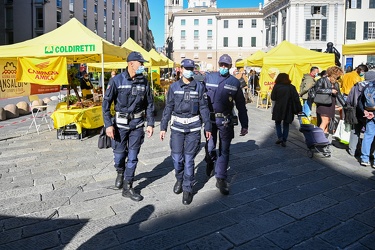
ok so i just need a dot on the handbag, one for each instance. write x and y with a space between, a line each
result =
104 141
324 99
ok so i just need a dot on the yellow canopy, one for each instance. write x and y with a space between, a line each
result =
255 59
293 60
171 64
158 60
359 49
72 40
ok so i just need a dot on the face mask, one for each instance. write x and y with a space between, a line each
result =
188 74
223 71
140 70
317 74
361 74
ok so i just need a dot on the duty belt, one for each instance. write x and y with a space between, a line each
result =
185 120
138 115
128 127
186 130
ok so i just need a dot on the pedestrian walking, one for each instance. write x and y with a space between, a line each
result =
367 106
308 81
132 96
328 90
187 108
223 91
287 104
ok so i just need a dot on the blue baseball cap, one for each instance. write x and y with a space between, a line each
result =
225 59
135 56
187 63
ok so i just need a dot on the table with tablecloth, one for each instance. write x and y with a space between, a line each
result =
88 118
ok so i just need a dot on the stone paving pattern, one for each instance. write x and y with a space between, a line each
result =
58 194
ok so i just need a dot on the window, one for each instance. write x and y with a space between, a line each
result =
209 34
96 9
196 34
226 24
183 22
39 18
196 22
353 4
96 28
133 20
350 30
315 10
132 7
240 24
371 4
253 23
225 42
196 46
132 34
368 30
71 5
209 21
183 46
240 42
58 4
84 7
105 15
183 34
316 29
253 41
209 46
58 18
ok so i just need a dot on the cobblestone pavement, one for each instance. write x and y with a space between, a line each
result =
58 194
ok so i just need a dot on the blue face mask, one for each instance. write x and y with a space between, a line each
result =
140 70
223 71
361 74
188 74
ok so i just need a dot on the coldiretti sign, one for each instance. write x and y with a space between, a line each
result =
69 49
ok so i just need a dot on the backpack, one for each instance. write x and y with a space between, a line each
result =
369 96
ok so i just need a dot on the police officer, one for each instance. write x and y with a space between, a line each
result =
223 92
186 108
133 100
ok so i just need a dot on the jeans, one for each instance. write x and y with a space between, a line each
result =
368 138
306 108
282 134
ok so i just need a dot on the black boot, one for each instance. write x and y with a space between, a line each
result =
187 197
128 191
209 168
119 179
222 185
177 189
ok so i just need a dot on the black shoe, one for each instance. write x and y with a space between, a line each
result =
209 169
283 144
187 197
177 189
279 141
222 185
128 191
119 179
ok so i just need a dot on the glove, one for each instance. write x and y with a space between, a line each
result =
243 132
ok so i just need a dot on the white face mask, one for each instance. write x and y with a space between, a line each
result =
188 74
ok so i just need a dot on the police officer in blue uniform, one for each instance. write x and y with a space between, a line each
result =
134 105
223 91
187 108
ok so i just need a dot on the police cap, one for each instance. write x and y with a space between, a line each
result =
225 59
135 56
187 63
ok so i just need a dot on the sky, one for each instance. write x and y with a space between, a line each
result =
157 14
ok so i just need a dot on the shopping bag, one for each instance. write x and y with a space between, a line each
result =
342 132
104 141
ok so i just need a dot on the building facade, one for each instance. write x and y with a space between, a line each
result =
359 28
110 19
203 33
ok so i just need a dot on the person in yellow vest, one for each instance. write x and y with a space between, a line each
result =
351 78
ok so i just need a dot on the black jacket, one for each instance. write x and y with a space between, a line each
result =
284 94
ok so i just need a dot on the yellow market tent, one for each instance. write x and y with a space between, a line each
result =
359 49
293 60
255 59
72 40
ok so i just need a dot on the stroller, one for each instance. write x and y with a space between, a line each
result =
315 138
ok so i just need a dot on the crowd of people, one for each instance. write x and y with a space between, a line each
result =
209 103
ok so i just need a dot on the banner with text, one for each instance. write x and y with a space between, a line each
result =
10 88
45 71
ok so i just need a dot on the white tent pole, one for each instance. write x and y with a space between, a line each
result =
102 76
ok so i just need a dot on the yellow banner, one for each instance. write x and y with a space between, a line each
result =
8 86
45 71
